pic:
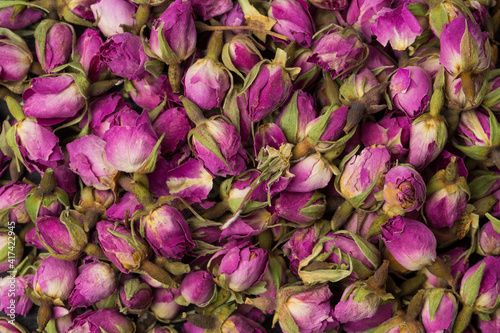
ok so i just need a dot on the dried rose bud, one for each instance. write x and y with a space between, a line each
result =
52 45
268 135
293 20
104 320
335 51
175 124
164 306
301 208
241 324
95 282
198 287
312 173
16 56
150 92
211 8
52 99
18 296
240 54
55 279
296 115
441 316
397 26
410 90
489 240
13 195
113 15
428 135
87 48
404 188
361 15
309 72
480 287
135 295
11 250
411 243
21 20
299 246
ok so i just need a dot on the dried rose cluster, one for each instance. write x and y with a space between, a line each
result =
250 166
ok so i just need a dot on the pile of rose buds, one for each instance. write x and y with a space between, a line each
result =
246 166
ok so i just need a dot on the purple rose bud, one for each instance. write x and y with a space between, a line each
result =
247 226
53 99
293 20
206 83
489 240
135 295
88 160
428 136
198 287
411 243
118 211
132 148
268 135
15 56
33 240
441 317
177 26
26 17
391 131
267 90
309 72
459 265
480 287
164 306
229 157
299 246
339 51
175 124
360 223
125 56
13 195
38 145
383 313
11 249
104 320
234 18
53 47
334 129
76 11
410 90
95 282
241 53
55 278
492 325
16 295
87 48
112 15
475 128
447 197
240 324
296 115
463 34
211 8
362 14
378 59
167 231
362 170
64 238
312 173
150 92
455 95
301 208
402 25
309 307
351 309
240 267
404 188
127 252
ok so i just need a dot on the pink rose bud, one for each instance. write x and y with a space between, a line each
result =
55 278
352 308
77 11
293 20
268 135
135 295
309 72
88 160
104 320
312 173
15 56
489 240
112 15
362 171
428 136
480 287
362 14
240 53
87 48
301 208
441 316
492 325
26 17
13 195
54 43
410 90
198 287
411 243
128 202
360 223
54 99
206 83
125 56
404 188
164 306
175 124
150 92
241 324
95 282
18 296
392 131
132 148
340 52
211 8
397 26
475 129
296 115
240 266
299 246
5 324
167 231
177 26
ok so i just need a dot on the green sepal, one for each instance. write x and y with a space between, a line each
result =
252 75
319 128
71 66
150 164
479 153
230 107
98 88
258 288
335 146
494 222
314 211
167 54
435 296
15 108
368 250
472 285
481 183
438 17
12 142
468 51
209 143
182 301
71 17
154 67
376 226
8 3
289 119
33 203
494 129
